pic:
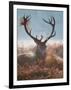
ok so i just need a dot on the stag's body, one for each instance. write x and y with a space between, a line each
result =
41 45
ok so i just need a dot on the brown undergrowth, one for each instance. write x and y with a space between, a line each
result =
50 68
30 68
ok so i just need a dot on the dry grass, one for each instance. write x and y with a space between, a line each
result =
46 69
31 68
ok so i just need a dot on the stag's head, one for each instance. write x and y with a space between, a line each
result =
41 45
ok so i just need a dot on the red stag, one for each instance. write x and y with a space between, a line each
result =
41 45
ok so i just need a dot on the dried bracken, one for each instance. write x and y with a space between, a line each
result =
50 68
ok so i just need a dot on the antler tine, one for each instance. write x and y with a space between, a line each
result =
28 17
53 25
23 16
41 37
45 21
51 21
54 20
54 33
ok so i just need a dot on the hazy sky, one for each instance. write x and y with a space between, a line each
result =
39 27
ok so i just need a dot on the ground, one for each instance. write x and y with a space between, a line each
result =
28 68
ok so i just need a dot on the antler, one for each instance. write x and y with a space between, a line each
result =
52 23
25 21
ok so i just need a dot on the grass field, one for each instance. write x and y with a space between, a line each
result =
29 68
